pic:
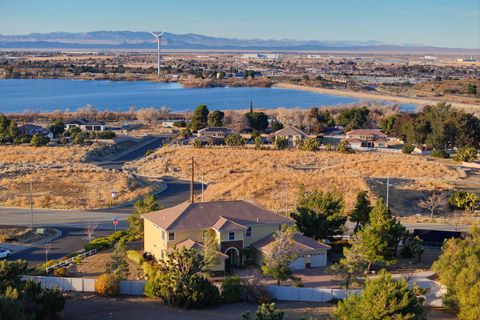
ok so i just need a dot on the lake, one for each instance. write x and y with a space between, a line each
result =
44 95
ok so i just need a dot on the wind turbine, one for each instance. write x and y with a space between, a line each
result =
159 39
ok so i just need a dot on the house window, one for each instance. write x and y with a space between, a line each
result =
231 236
163 235
248 233
171 236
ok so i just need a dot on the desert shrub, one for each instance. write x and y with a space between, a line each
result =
102 134
266 311
311 144
150 270
202 293
408 148
13 309
467 154
406 252
105 242
60 272
149 152
135 256
463 200
280 143
344 147
231 290
107 285
42 303
41 268
440 153
155 289
234 140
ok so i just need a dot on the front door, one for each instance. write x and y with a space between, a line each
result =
232 261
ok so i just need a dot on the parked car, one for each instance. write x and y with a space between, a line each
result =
4 253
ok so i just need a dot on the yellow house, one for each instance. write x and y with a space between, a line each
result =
237 225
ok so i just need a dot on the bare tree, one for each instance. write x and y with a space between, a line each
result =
48 246
89 231
149 115
434 203
164 111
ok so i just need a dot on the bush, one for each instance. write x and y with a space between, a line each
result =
202 293
408 148
265 311
406 252
464 200
150 271
440 153
231 290
60 272
149 152
105 242
467 154
107 285
41 268
135 256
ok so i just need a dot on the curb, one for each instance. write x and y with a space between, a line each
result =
38 243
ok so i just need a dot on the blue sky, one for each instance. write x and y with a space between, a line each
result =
451 23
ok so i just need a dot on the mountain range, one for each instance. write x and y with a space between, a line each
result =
129 40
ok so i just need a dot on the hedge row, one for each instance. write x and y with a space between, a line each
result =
105 242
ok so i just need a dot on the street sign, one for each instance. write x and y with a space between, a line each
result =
115 222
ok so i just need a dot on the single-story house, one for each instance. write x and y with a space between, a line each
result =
367 138
237 225
31 129
292 134
86 125
212 135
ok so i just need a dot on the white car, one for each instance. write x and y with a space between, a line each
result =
4 253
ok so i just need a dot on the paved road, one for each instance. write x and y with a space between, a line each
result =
72 239
155 143
73 222
177 192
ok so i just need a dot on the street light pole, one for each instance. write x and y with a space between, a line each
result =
31 204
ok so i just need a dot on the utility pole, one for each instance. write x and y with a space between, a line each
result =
388 190
31 204
192 181
203 183
286 199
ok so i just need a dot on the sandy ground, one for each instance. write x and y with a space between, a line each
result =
372 96
92 307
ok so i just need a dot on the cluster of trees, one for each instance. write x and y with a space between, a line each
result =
458 269
320 119
355 118
376 237
202 118
8 129
438 127
24 300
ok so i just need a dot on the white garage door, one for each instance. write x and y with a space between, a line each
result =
318 260
298 264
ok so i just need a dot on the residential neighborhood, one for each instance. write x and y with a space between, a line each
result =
273 160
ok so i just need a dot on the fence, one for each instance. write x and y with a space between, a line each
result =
308 294
136 288
129 287
70 260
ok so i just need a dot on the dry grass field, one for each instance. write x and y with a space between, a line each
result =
60 180
273 178
23 154
78 186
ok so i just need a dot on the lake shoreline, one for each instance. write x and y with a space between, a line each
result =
374 96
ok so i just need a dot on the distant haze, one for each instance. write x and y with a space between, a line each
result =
144 40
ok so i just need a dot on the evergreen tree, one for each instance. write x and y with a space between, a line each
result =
118 265
360 214
382 298
215 118
458 269
200 118
319 215
282 253
135 222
